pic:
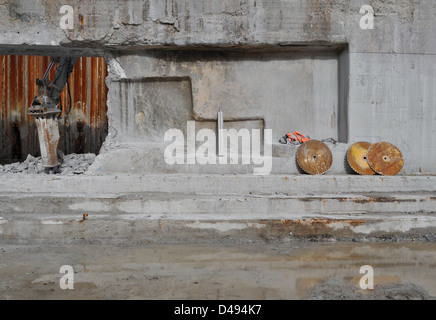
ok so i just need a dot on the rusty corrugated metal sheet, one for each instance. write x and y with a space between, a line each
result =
85 128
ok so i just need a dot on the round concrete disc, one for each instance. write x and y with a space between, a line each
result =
357 157
385 158
314 157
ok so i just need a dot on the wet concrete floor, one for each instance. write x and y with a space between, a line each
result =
297 270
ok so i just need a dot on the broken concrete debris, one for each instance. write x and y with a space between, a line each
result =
338 289
71 164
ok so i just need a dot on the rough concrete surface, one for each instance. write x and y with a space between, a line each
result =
69 164
225 271
337 289
126 219
37 207
385 75
215 236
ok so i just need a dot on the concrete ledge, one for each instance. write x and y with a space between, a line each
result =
126 208
218 206
137 229
139 158
302 184
218 196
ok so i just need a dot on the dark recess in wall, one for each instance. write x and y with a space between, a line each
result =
82 131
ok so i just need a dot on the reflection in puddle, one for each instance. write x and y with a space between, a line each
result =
296 270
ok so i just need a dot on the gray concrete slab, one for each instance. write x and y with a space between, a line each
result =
227 272
44 207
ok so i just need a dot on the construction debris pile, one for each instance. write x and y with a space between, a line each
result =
71 164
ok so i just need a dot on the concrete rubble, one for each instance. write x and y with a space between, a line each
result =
338 289
71 164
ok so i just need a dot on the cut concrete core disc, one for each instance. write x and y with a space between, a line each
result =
357 157
314 157
385 158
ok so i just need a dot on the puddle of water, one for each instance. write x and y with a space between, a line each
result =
291 271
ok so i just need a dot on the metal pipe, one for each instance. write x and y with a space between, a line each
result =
48 134
48 70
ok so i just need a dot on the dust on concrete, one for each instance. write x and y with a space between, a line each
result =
340 289
297 271
70 164
404 9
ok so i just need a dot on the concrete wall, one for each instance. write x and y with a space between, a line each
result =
286 90
359 84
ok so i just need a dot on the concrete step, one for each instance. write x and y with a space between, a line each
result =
217 195
149 158
180 205
126 229
302 185
245 207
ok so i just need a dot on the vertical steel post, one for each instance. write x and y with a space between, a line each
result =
48 134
